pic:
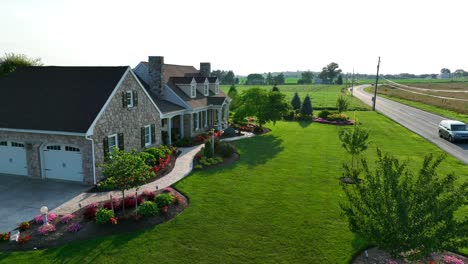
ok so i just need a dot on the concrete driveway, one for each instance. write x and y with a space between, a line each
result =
21 198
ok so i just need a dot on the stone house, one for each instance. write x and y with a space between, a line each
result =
59 122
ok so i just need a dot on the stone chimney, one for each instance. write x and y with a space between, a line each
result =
156 74
205 69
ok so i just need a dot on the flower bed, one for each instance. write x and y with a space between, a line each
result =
375 255
82 224
161 160
325 121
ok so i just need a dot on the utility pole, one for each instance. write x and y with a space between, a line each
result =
375 87
352 83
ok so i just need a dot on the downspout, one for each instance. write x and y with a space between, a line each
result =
94 160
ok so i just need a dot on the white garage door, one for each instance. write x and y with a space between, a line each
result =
13 158
63 162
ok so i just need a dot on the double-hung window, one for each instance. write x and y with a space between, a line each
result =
206 90
193 90
113 142
129 98
148 136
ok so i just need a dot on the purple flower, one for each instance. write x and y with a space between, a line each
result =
74 227
66 218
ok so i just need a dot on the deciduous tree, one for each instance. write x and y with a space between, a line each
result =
403 212
11 61
307 77
127 169
330 72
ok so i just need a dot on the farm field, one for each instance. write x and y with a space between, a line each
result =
278 204
323 96
455 109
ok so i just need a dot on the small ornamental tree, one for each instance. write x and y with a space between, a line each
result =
354 141
127 169
296 102
401 212
342 104
275 89
306 109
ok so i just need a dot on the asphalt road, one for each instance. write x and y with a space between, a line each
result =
418 121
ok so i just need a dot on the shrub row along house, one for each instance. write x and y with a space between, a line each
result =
59 122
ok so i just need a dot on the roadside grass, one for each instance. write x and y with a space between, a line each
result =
323 96
278 204
432 106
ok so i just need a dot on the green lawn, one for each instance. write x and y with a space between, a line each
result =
323 96
277 204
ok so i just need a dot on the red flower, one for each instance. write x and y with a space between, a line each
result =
164 209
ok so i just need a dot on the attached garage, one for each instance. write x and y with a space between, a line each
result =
13 158
62 162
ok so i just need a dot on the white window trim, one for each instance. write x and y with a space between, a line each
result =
131 98
111 148
216 88
148 143
193 90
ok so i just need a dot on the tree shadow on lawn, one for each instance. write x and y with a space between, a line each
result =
260 149
88 250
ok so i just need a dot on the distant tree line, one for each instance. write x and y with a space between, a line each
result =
225 77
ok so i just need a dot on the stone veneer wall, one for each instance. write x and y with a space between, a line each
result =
35 141
118 119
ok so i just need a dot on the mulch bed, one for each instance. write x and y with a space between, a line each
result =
226 161
160 174
90 229
337 123
378 256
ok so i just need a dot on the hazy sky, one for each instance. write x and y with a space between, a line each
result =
246 36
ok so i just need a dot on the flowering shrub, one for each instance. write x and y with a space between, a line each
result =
148 208
452 260
164 199
113 220
162 164
115 202
164 209
168 190
24 239
66 218
149 195
103 216
75 227
50 217
91 210
24 226
129 201
177 199
337 117
46 229
5 236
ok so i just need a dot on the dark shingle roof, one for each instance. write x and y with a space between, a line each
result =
163 105
56 98
200 100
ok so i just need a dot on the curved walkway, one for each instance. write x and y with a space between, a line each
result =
182 167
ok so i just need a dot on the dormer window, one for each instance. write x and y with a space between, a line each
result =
193 90
206 90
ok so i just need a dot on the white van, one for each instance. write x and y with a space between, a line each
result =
453 130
